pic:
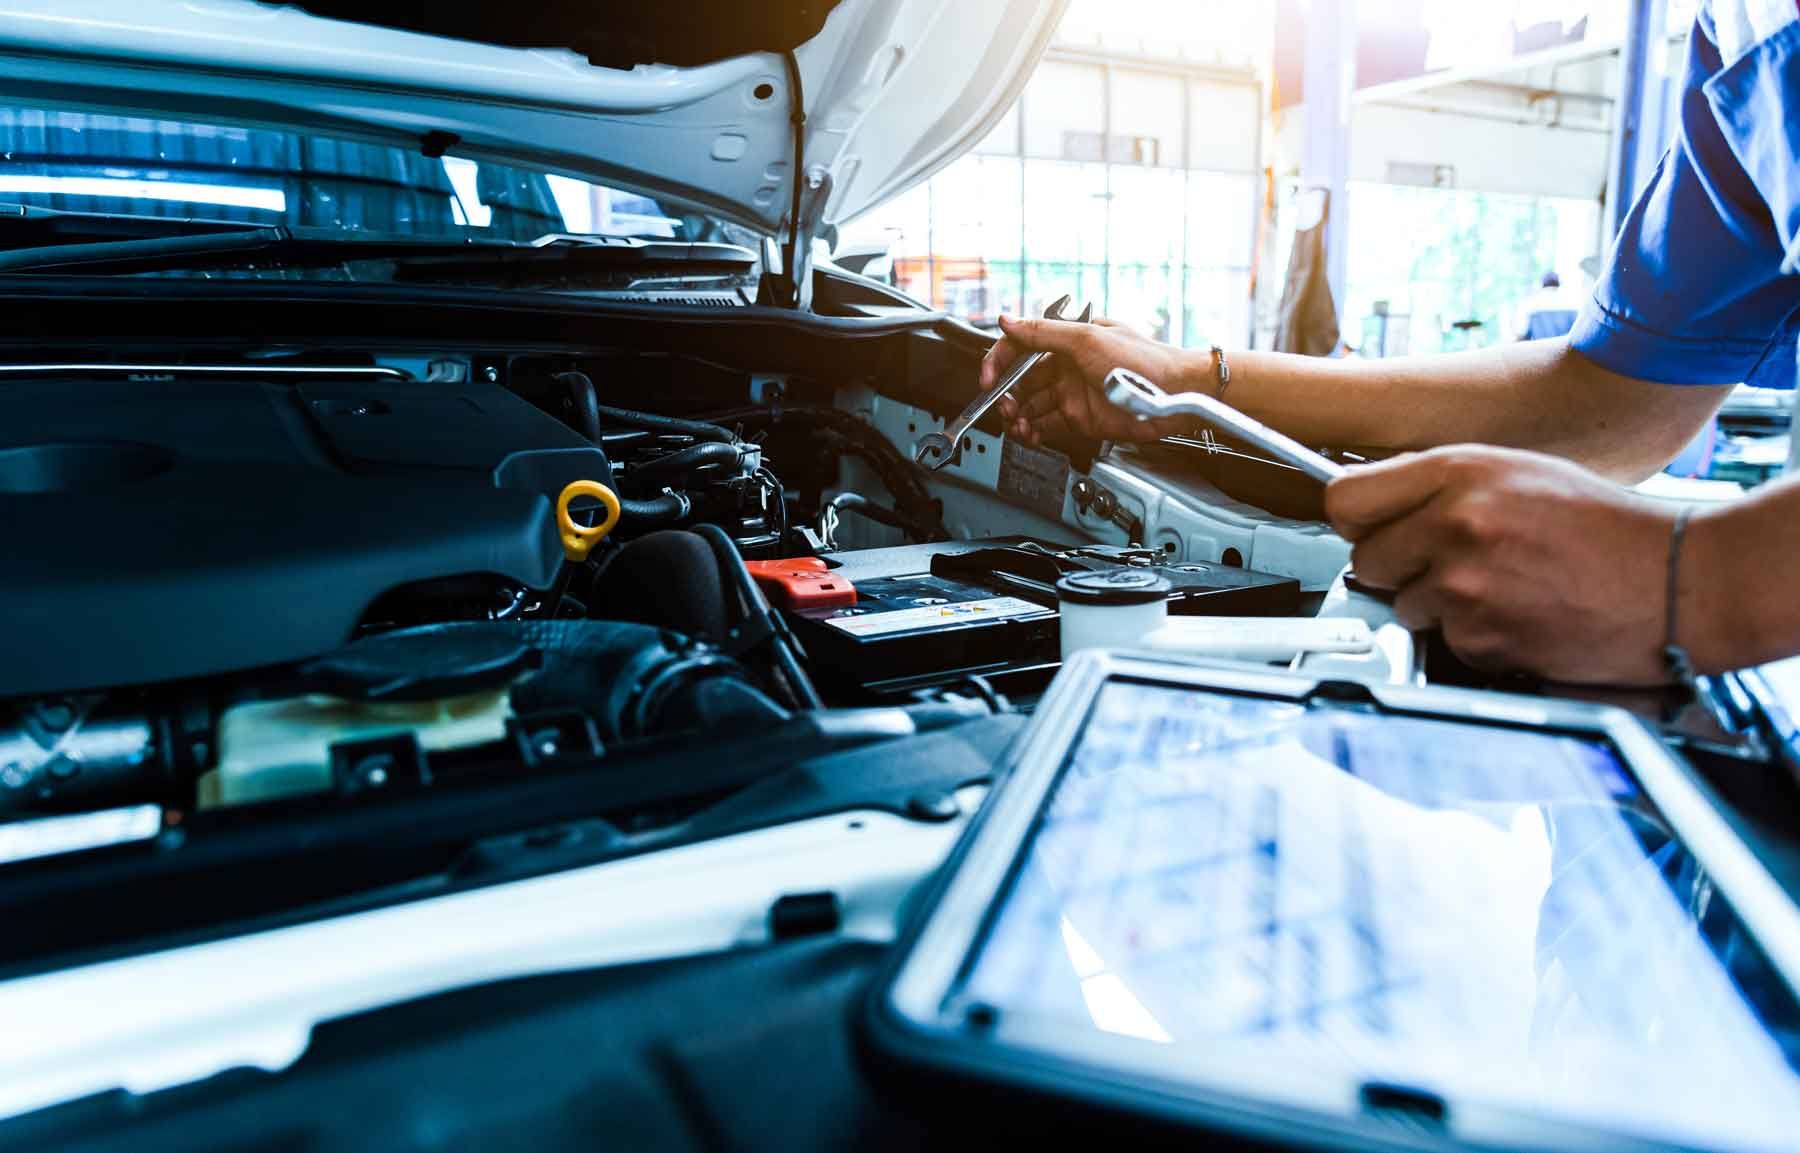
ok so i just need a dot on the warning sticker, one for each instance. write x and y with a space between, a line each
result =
935 616
1034 477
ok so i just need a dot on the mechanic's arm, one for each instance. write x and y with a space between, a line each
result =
1698 291
1531 563
1539 395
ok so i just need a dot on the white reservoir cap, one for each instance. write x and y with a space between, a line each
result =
1113 609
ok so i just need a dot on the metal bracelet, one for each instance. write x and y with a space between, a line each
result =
1680 664
1224 373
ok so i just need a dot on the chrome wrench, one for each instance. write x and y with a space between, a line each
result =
937 449
1145 399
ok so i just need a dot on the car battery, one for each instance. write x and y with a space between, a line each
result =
925 627
1030 570
938 612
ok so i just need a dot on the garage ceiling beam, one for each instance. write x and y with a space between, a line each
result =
1499 114
1533 92
1503 66
1140 62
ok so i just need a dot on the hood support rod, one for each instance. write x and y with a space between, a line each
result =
788 289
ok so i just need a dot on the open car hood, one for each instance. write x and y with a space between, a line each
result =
687 100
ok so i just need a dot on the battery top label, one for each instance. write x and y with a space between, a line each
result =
930 616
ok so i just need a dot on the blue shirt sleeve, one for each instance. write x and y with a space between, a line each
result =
1700 288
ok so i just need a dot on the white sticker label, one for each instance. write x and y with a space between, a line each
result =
927 616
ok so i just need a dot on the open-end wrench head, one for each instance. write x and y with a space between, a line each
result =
937 449
934 451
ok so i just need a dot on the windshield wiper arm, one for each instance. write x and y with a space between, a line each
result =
422 257
291 246
154 251
560 255
29 226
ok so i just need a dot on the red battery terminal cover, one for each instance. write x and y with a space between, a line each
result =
802 583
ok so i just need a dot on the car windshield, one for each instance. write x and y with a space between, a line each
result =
137 166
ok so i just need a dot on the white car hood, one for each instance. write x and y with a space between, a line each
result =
893 90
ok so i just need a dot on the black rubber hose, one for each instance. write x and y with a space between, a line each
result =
858 503
586 400
633 680
787 666
686 460
591 412
665 509
698 429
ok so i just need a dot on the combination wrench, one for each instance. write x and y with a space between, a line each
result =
937 449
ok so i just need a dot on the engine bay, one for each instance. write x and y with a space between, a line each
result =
321 644
280 599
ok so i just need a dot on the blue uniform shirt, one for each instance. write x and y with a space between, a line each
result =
1703 284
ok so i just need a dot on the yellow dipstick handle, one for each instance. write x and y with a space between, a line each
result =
579 539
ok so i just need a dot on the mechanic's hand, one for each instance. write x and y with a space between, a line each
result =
1063 395
1529 563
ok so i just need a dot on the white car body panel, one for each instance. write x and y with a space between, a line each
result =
893 89
150 1022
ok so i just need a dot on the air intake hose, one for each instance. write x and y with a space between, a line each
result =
632 680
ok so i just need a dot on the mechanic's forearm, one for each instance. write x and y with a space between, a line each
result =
1537 395
1736 604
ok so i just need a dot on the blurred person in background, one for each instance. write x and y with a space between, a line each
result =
1547 313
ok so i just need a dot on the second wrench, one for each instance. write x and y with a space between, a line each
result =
937 449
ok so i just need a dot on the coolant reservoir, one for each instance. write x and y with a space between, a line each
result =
1113 609
274 749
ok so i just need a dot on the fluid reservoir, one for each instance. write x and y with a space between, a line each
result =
1112 609
274 749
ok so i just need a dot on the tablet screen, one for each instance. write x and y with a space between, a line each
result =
1494 915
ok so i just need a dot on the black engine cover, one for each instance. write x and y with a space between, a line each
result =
164 527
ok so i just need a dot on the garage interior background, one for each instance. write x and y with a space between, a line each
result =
1164 152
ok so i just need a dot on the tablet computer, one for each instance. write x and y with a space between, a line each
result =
1309 912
